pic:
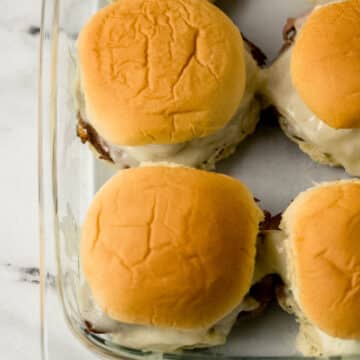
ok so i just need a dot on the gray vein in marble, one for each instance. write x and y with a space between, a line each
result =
33 30
30 275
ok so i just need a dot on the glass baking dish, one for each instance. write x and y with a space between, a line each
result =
69 175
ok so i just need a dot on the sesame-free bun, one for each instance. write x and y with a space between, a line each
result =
323 226
325 65
160 71
170 246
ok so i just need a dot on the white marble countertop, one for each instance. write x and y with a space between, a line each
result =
19 309
19 250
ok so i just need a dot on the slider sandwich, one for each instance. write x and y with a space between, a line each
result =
165 81
315 84
168 256
317 254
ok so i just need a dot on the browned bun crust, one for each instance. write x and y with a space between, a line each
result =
325 64
323 225
160 71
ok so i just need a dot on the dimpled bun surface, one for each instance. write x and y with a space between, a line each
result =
170 246
160 71
325 64
323 225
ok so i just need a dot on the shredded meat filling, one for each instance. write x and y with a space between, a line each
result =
264 292
255 52
87 133
270 222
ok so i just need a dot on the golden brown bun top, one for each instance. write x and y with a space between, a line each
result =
324 226
325 65
160 71
170 246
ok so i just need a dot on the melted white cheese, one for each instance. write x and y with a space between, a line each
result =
166 340
311 341
200 152
321 142
154 338
270 256
204 152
